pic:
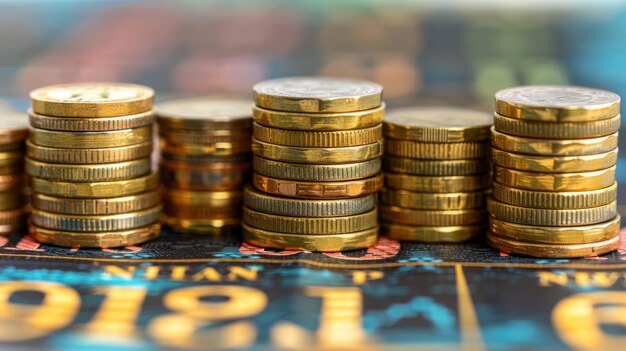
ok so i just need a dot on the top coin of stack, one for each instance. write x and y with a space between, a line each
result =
13 200
436 174
554 149
205 163
89 159
317 145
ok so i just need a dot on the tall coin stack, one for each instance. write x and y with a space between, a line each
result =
554 155
436 174
13 199
317 145
89 159
205 163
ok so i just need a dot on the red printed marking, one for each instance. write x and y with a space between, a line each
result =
385 248
27 244
248 249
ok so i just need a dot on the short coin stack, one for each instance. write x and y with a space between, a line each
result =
205 162
554 155
436 174
317 145
89 159
13 210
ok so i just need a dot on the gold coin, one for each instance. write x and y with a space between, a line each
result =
102 124
12 199
316 173
583 181
409 216
12 182
92 100
551 250
554 164
220 226
89 173
329 139
551 217
96 223
11 158
591 233
215 176
205 113
12 169
6 229
313 243
553 147
552 103
19 146
555 200
437 184
310 225
96 240
89 156
281 206
221 149
317 94
108 206
438 124
427 234
564 130
98 190
436 151
318 190
319 121
14 128
433 201
14 217
318 155
90 140
206 136
435 167
201 212
189 198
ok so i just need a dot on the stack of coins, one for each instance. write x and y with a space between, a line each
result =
89 159
317 145
554 155
13 199
436 174
205 163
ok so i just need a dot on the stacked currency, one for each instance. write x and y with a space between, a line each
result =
205 163
89 160
436 174
13 198
317 146
554 154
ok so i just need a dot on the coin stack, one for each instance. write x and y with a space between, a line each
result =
436 174
205 162
89 159
554 154
317 145
13 199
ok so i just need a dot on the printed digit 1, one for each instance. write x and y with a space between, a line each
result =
118 313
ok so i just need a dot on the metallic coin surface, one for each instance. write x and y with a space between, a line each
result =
221 149
189 198
317 94
435 167
555 199
10 200
437 151
92 100
219 226
437 184
409 216
556 235
107 206
318 190
327 139
14 128
564 130
11 158
206 136
318 155
433 201
555 181
552 250
88 156
12 182
74 124
96 223
215 176
313 243
319 121
310 225
96 190
316 173
555 164
89 173
12 168
6 229
96 240
282 206
14 217
428 234
91 140
202 212
205 113
438 124
553 147
552 103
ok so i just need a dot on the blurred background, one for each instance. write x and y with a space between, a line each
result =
456 52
